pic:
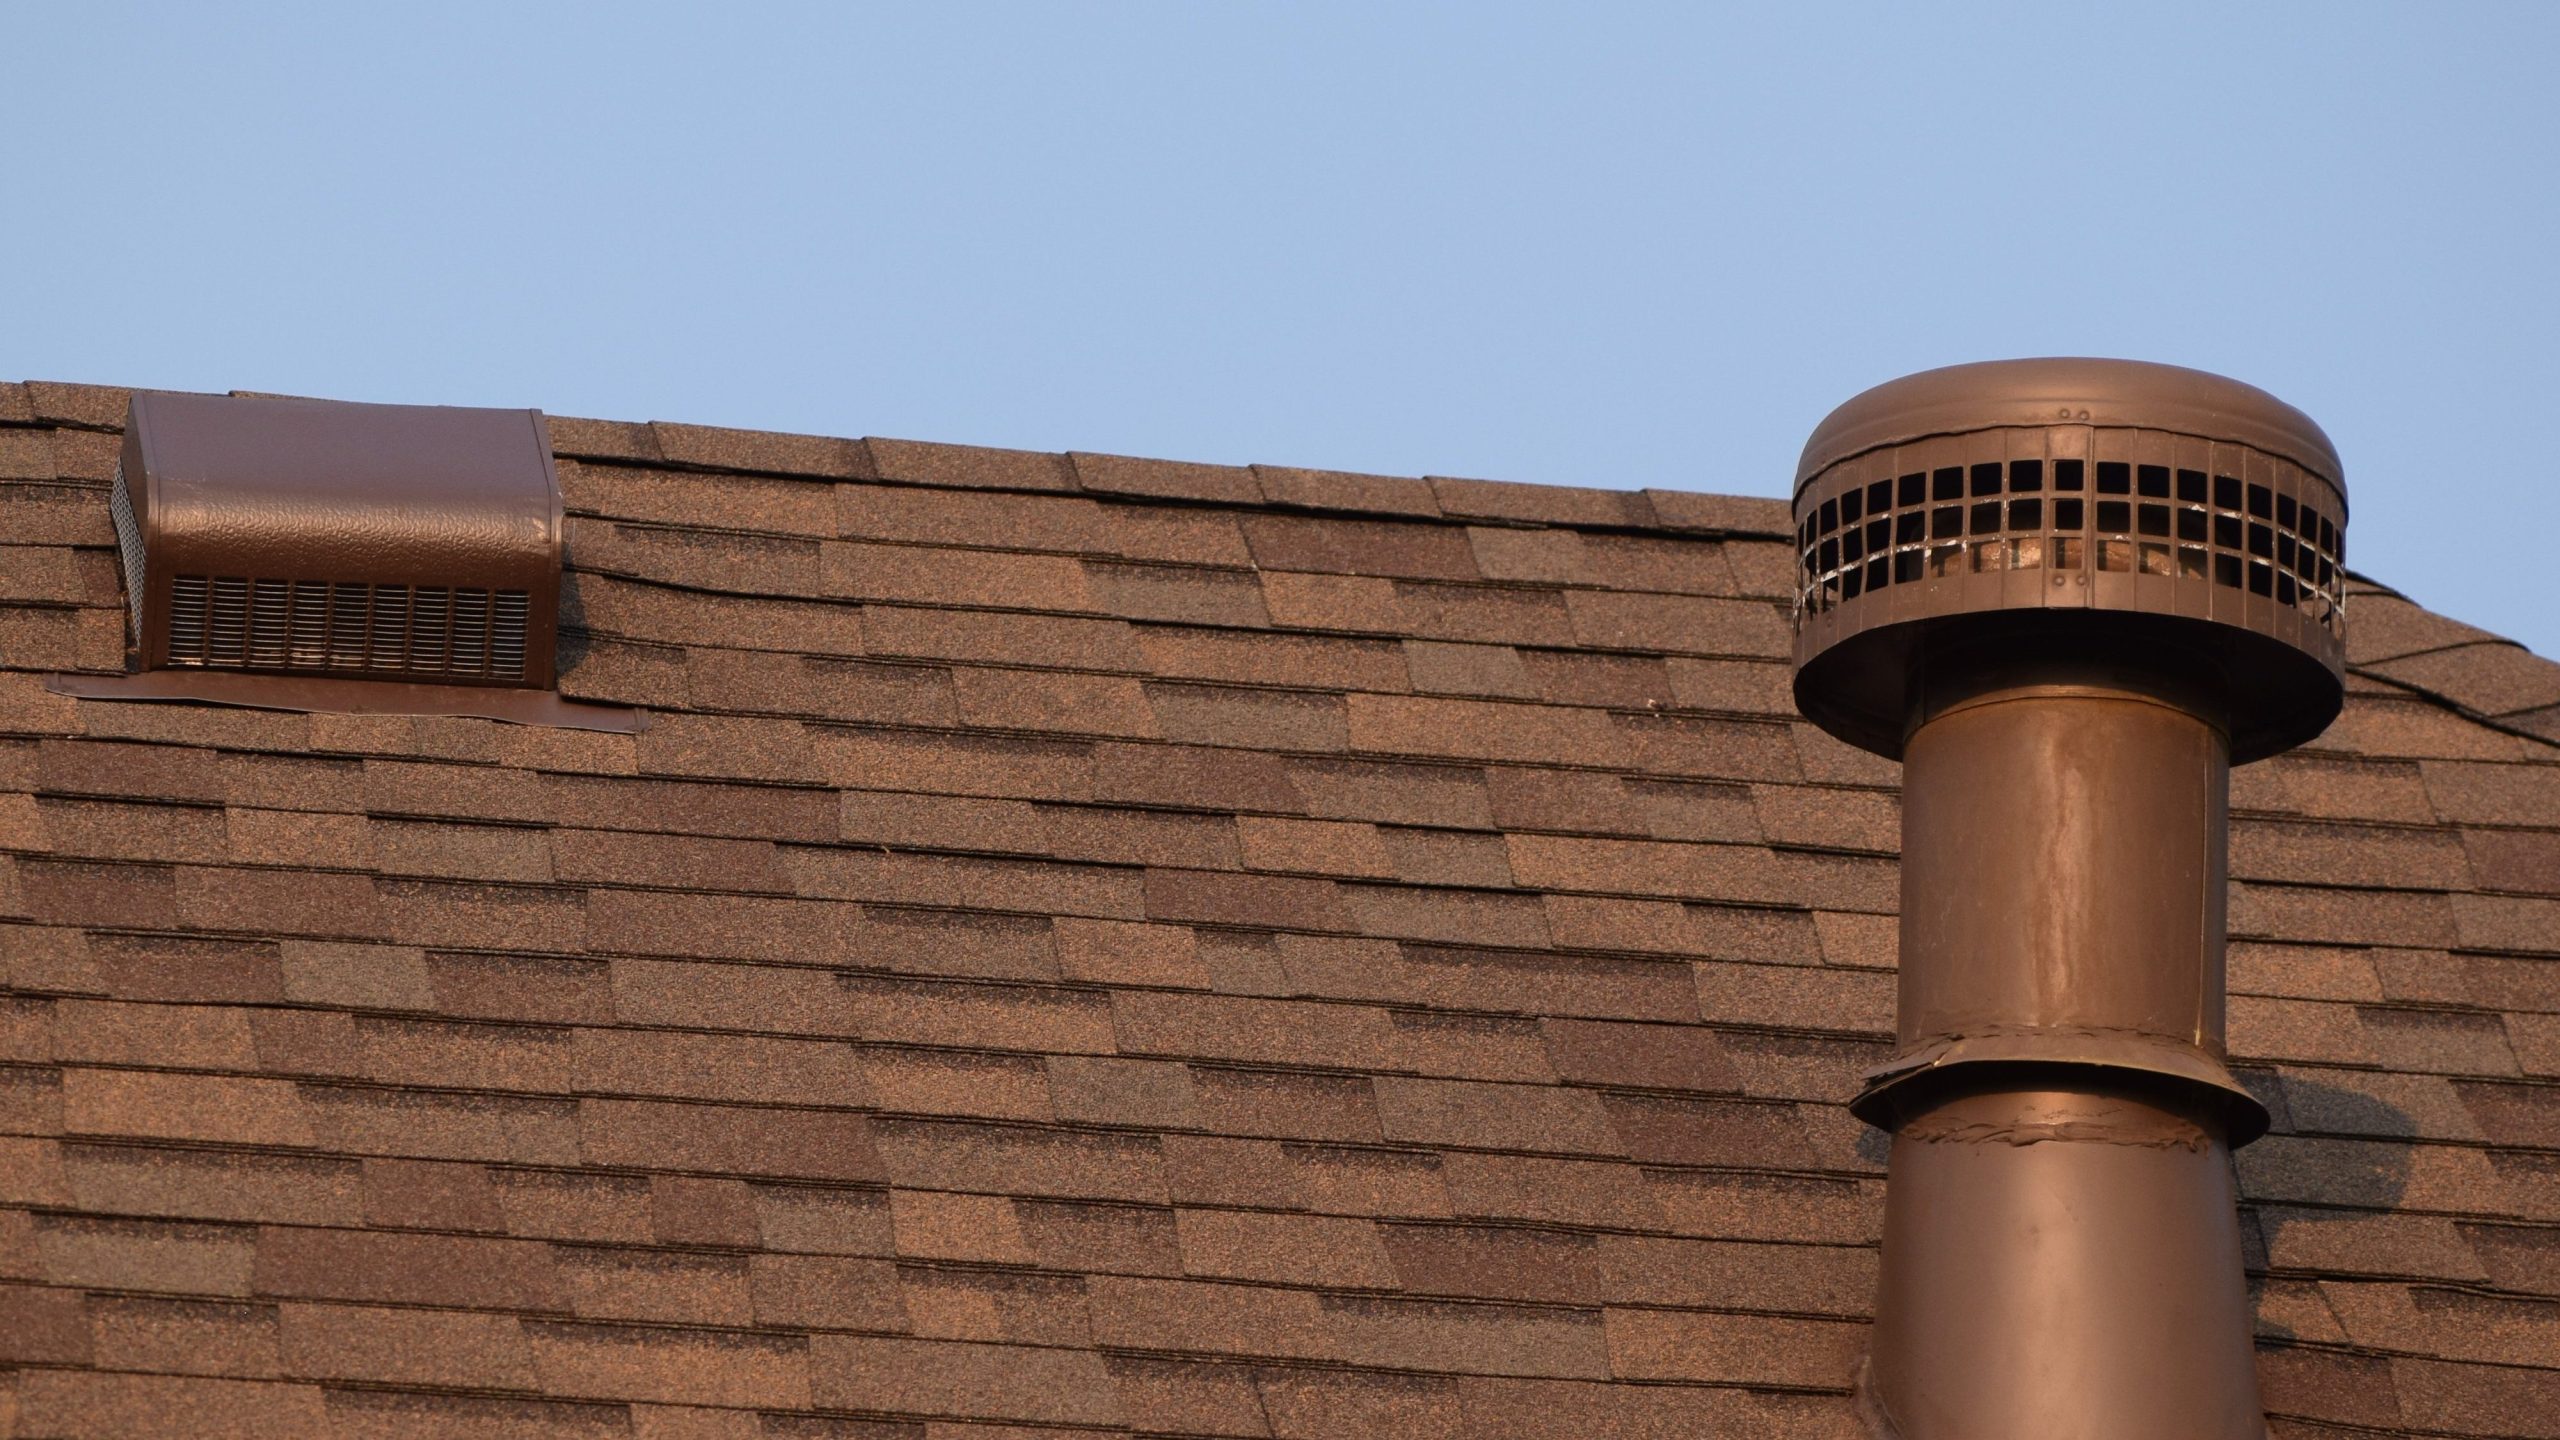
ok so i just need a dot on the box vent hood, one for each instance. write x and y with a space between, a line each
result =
323 556
401 542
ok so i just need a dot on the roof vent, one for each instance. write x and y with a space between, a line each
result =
2047 487
309 537
2068 595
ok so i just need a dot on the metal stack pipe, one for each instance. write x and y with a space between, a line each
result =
2068 595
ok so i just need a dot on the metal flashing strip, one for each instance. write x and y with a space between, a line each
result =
328 695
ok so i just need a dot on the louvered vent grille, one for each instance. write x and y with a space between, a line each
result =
423 631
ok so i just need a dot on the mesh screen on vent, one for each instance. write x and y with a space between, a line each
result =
231 622
128 545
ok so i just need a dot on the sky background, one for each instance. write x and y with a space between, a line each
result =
1591 244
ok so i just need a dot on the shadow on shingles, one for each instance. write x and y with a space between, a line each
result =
1874 1146
2330 1146
574 640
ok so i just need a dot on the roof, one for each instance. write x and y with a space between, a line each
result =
1093 946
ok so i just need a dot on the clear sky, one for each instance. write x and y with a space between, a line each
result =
1597 244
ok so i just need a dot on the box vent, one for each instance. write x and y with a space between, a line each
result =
390 542
398 631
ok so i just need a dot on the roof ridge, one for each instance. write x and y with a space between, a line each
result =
2538 722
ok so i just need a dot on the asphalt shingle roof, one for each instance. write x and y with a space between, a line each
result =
1092 946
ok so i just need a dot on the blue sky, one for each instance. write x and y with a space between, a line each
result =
1638 245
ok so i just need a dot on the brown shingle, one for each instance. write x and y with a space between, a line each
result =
1140 837
2492 795
710 1067
1524 1187
2478 1399
371 1343
210 1184
2495 677
135 1255
1686 871
1469 1339
1686 625
147 1333
1006 522
1506 1117
695 559
429 1195
1249 718
1654 1057
43 1326
716 448
1024 1160
919 575
1674 1345
616 1283
1487 615
1286 1104
947 1304
824 1290
1251 1030
1220 898
816 686
111 830
168 1407
628 1362
968 466
111 1033
1109 1091
1038 887
1178 593
938 1377
532 988
958 764
1116 952
943 822
1170 479
950 1082
1340 490
640 610
1317 662
812 1144
651 923
152 1105
1557 504
1072 704
24 454
1360 547
410 1269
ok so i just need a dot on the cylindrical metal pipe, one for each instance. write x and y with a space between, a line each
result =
2062 1264
2062 1252
2063 842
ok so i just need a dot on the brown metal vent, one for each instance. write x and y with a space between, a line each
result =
2203 509
390 542
2068 595
2034 514
397 631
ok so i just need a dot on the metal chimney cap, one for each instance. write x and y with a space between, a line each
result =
2099 510
1992 394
